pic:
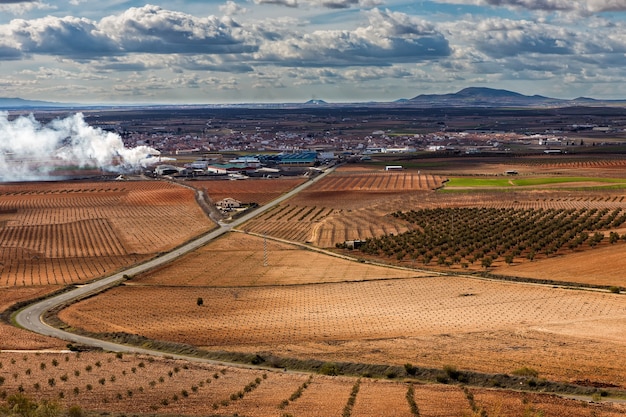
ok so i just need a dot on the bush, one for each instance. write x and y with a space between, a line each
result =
451 372
526 371
442 379
410 369
329 368
75 411
200 301
391 374
615 290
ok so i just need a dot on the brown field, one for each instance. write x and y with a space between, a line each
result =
347 205
252 190
510 404
215 265
66 232
378 320
106 383
270 297
12 337
567 165
600 266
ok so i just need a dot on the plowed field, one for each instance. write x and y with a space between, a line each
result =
107 383
12 337
260 191
473 324
347 205
237 260
61 233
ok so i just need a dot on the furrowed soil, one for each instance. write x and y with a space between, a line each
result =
266 296
252 190
67 232
480 325
241 259
12 337
108 383
350 204
601 266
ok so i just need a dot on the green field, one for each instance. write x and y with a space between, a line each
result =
575 182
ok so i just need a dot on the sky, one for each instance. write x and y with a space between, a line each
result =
279 51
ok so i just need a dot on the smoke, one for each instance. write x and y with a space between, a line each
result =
31 151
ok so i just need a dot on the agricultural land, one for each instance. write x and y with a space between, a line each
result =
456 286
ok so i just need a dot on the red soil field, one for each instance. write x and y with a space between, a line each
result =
307 305
252 190
65 232
471 324
12 337
599 266
347 205
105 383
235 259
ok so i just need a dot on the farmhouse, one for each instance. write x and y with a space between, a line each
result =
228 204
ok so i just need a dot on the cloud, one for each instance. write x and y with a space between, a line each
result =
221 44
147 29
71 36
329 4
19 7
230 8
503 37
151 29
287 3
580 7
390 37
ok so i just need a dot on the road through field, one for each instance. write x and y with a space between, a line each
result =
31 317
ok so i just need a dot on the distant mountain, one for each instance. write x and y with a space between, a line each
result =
315 102
20 103
485 97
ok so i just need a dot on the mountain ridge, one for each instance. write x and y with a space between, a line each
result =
466 97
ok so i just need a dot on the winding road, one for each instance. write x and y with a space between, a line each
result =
31 317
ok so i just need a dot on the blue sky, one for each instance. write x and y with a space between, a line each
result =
232 51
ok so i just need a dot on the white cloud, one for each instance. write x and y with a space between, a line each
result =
20 7
329 4
230 8
390 37
148 29
580 7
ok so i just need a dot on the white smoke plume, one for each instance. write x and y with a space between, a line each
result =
30 150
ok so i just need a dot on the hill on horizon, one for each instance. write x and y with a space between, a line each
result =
20 103
467 97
